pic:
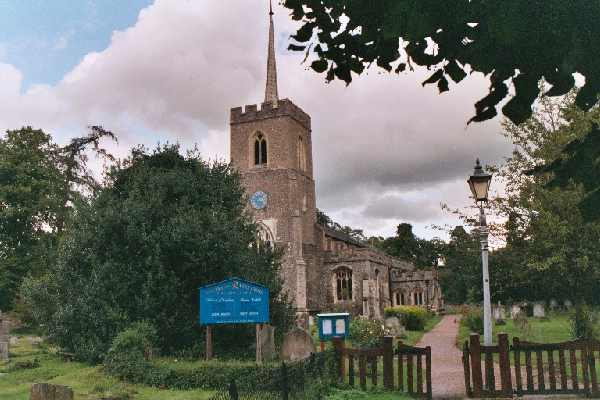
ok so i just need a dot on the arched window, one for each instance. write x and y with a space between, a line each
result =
301 154
260 150
264 238
343 284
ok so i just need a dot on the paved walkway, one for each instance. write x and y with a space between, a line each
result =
447 376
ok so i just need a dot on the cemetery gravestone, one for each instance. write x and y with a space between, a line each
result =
538 310
4 338
496 312
394 325
297 345
46 391
515 310
267 342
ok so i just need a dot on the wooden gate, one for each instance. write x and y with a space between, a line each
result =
536 368
404 368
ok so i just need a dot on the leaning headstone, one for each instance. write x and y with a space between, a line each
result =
47 391
515 310
553 304
267 342
4 338
395 327
538 310
297 345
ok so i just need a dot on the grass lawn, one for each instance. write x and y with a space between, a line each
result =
553 329
88 382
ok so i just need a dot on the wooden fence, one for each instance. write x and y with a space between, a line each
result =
530 368
412 373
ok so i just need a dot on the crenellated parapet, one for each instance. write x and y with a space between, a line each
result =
285 107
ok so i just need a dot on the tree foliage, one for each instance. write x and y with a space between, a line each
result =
512 41
406 246
550 246
164 225
39 181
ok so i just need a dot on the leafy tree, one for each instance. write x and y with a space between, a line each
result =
461 277
29 201
39 181
507 41
550 246
406 246
164 225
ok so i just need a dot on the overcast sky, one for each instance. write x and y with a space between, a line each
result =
386 150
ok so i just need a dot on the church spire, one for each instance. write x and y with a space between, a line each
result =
271 94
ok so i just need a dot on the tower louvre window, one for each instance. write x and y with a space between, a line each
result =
301 155
260 150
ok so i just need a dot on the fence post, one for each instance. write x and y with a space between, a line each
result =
475 348
428 372
388 362
505 373
285 387
467 369
233 392
338 345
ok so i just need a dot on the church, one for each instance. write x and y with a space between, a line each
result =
323 269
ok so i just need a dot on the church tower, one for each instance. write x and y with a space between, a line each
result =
271 147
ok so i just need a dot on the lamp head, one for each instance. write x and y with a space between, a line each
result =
479 183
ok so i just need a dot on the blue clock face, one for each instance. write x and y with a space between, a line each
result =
259 200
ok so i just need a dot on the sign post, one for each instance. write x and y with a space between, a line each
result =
209 343
233 301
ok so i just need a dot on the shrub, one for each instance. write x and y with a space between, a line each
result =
128 357
413 318
366 333
584 323
473 319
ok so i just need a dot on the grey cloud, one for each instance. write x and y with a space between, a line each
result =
176 73
398 207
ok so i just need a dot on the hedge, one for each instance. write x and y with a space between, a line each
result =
413 318
128 360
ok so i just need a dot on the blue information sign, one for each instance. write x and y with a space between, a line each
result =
234 301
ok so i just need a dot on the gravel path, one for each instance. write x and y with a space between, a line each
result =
447 376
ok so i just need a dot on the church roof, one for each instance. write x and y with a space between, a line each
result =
344 237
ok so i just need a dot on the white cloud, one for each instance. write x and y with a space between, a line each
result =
175 74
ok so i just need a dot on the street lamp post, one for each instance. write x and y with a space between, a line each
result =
479 183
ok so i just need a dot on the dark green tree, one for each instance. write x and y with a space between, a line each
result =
164 225
406 246
460 277
508 41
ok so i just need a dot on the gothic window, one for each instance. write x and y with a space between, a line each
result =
264 238
260 150
402 300
343 284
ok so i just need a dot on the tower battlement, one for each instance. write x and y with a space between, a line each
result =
284 107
